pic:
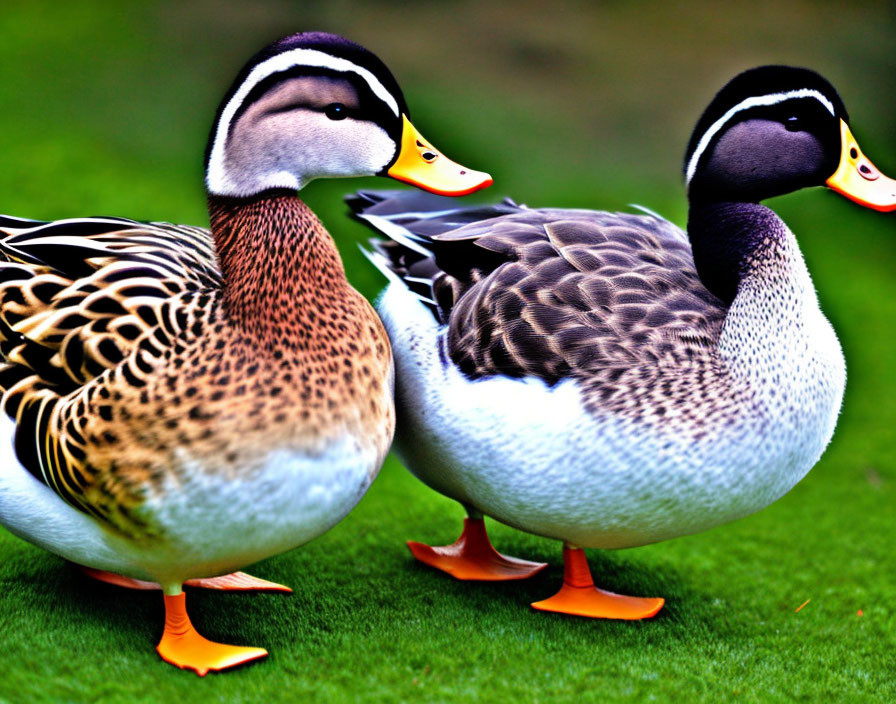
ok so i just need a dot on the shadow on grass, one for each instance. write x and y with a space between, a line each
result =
611 571
353 596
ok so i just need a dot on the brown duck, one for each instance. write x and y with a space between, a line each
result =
184 403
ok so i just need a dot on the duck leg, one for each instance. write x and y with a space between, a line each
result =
578 595
182 646
233 582
472 557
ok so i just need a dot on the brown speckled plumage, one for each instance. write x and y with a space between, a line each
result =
328 347
186 402
272 350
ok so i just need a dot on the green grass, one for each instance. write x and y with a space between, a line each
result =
105 111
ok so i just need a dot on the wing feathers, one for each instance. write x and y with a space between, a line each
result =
78 298
547 293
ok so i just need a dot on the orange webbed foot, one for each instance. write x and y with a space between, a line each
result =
579 597
238 582
182 646
472 557
233 582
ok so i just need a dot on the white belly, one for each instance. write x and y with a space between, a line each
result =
529 455
211 526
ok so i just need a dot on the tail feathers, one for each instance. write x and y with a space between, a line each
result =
422 289
9 223
423 215
64 245
380 260
414 254
396 232
390 204
413 220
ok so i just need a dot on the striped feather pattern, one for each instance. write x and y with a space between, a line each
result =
87 305
76 295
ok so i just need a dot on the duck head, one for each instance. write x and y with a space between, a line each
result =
775 129
315 105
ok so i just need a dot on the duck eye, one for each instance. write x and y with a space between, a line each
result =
336 111
793 123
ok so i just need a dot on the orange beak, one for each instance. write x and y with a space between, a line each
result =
420 164
860 180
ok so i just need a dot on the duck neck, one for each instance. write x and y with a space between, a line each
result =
734 241
278 263
775 337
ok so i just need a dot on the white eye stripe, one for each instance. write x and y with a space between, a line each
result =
756 101
217 177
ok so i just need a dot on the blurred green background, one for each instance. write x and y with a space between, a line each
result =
105 109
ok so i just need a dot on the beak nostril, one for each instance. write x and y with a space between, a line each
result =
853 153
864 169
463 173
